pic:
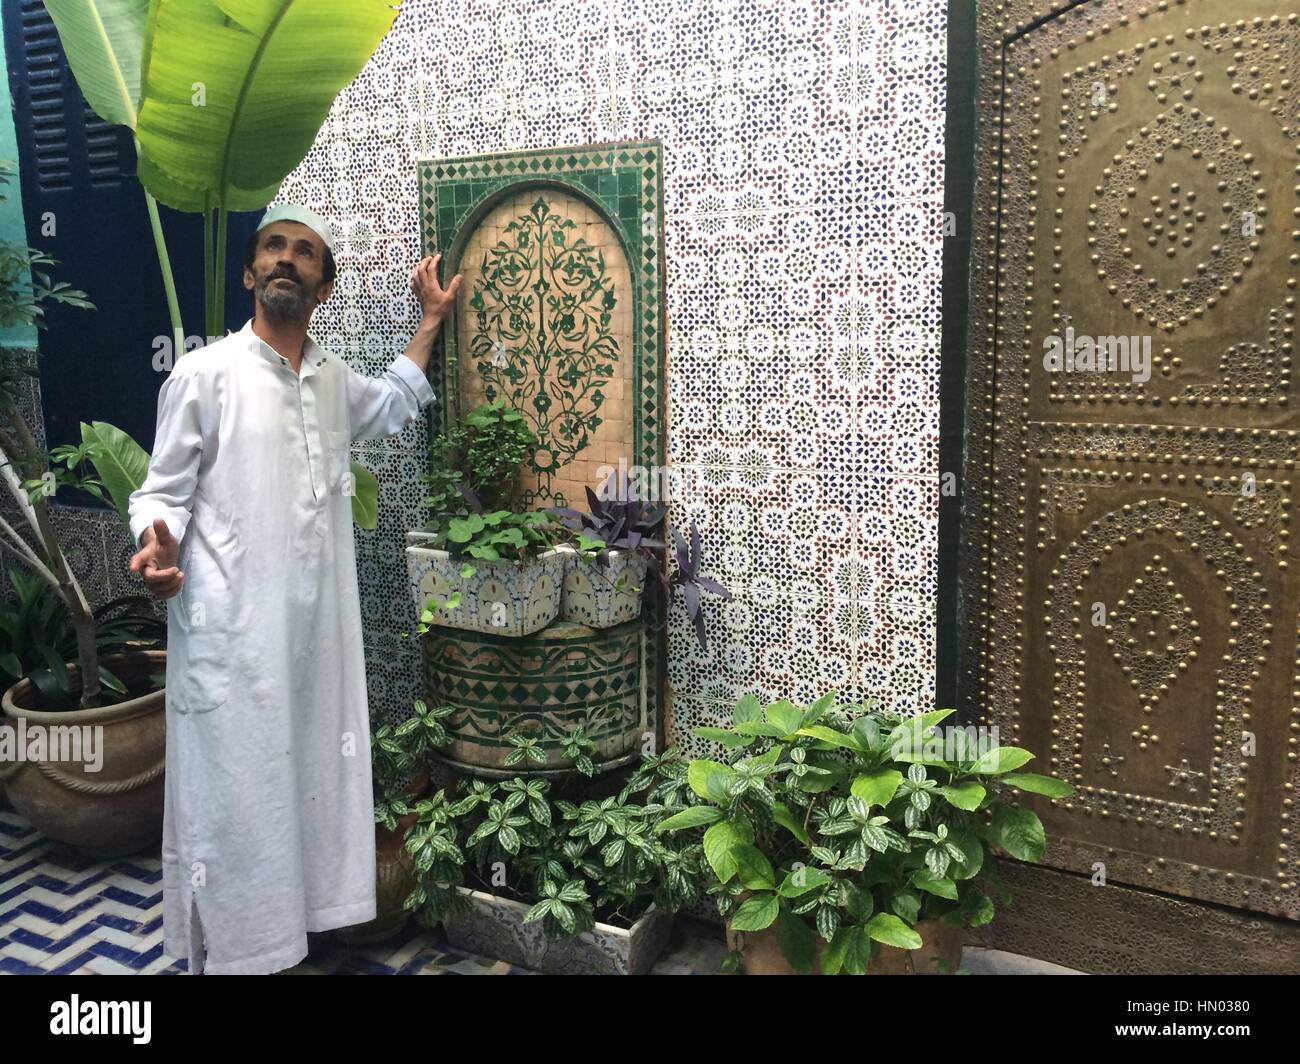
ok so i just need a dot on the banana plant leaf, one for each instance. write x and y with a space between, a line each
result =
236 91
121 463
365 497
106 42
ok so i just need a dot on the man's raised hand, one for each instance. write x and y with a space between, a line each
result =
156 561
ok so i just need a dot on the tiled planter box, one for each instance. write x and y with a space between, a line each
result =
494 928
504 598
592 595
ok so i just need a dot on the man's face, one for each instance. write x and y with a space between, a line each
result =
287 272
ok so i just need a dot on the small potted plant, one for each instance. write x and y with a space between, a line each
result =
479 566
615 562
566 887
839 839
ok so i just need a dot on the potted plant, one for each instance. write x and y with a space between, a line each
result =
477 565
566 887
615 561
511 587
113 804
399 777
840 838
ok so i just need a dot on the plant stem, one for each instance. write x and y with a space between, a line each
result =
208 330
219 273
165 265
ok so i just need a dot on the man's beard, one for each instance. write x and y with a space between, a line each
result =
283 305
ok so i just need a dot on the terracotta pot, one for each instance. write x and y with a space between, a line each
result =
761 954
112 812
394 880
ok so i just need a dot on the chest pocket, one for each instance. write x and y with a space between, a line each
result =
338 463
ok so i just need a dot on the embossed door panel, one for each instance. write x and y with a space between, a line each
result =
1138 595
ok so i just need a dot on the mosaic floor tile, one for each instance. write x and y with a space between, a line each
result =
64 914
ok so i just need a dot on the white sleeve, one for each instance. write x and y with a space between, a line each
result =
168 488
381 406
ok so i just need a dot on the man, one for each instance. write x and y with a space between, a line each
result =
244 524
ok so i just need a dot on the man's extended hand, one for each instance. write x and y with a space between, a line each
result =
435 301
156 561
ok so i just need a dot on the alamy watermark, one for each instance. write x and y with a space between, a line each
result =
1079 353
82 743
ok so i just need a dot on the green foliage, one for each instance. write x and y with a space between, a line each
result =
25 283
398 754
574 862
483 455
37 640
852 826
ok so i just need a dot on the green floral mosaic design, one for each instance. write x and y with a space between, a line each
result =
624 182
546 296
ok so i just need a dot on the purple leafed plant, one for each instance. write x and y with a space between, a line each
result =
629 524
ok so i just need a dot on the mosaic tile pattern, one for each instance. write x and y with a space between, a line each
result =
803 155
802 195
61 914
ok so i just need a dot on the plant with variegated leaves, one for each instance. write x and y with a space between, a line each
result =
842 829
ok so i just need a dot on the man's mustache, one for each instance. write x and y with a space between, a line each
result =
288 274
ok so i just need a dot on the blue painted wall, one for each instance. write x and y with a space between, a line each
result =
12 228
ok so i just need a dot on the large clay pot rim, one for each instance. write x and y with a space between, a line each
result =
132 707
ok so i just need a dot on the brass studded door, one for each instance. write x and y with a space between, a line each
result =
1132 434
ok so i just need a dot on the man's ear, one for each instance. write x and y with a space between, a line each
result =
324 292
248 278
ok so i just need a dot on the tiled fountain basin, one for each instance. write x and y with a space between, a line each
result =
603 591
503 598
495 927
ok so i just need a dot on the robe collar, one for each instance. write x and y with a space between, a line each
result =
313 356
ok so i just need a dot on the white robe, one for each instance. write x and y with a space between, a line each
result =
268 829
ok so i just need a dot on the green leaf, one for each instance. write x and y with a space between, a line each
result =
719 842
270 70
120 462
817 709
1036 784
782 815
758 728
973 849
797 941
831 736
1019 832
799 881
105 41
857 951
754 870
756 913
877 788
889 929
907 904
784 715
1001 759
365 497
913 732
728 738
931 884
748 710
966 795
979 910
834 953
709 779
693 817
